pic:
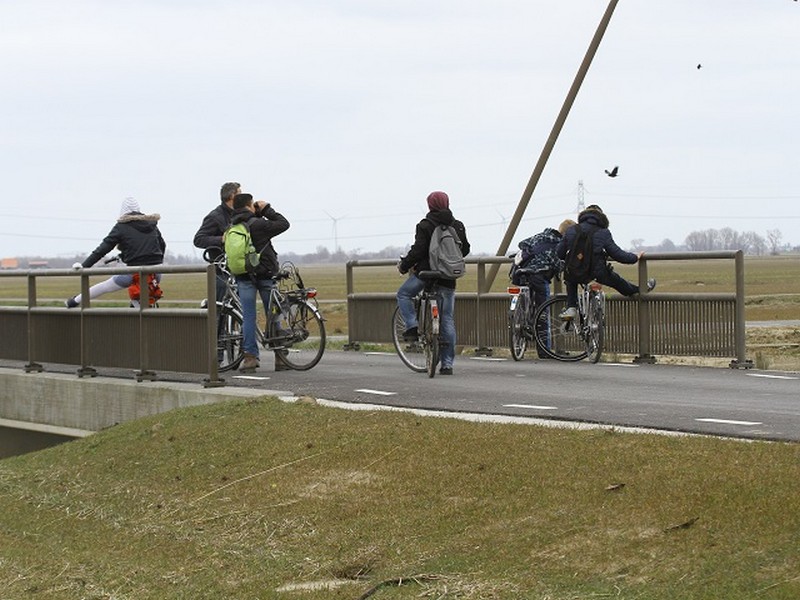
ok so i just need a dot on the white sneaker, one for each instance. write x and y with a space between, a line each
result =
568 314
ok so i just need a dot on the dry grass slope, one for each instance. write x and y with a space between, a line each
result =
270 500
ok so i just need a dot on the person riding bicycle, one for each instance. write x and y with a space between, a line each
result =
140 244
416 260
604 248
264 223
537 263
213 227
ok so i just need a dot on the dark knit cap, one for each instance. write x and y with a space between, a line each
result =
438 201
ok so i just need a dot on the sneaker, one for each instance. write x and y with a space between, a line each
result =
446 371
249 364
70 303
411 334
568 314
651 284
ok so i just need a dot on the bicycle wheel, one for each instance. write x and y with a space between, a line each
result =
558 339
410 353
595 328
230 352
517 320
430 342
305 348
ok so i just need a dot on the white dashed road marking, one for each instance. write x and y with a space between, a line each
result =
251 377
765 376
377 392
530 406
729 422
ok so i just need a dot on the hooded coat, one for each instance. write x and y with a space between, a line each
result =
417 257
138 239
603 245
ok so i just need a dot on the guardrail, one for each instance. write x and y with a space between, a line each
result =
145 339
708 325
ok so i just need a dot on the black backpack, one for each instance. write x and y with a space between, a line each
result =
578 265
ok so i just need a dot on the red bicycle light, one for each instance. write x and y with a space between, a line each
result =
435 311
514 291
311 293
595 287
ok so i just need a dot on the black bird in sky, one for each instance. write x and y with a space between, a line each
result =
613 172
699 65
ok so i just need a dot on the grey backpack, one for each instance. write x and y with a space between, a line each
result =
444 252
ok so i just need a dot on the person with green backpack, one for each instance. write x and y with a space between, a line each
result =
253 261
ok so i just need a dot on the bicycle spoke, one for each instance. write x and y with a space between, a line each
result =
558 339
304 348
411 353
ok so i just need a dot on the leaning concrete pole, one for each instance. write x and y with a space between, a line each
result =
551 141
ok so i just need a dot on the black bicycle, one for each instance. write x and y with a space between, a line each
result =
295 328
577 338
420 355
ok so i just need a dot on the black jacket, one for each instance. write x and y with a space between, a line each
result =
264 225
213 226
138 239
603 245
417 257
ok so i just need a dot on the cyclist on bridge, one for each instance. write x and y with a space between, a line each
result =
417 260
140 244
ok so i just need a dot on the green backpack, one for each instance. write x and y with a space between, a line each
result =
240 252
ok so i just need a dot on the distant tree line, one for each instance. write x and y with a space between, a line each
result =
724 239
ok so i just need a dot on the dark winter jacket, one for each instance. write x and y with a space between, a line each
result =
538 254
602 242
264 225
213 226
417 257
138 239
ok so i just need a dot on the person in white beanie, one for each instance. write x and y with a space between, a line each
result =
139 241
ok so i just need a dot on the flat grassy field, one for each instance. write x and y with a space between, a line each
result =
324 503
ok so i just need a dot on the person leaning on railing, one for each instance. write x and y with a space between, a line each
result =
604 248
140 244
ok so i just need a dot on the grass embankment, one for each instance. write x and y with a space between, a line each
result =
271 500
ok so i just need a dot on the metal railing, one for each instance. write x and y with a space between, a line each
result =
708 325
144 339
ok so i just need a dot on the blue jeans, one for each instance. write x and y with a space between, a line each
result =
247 294
447 324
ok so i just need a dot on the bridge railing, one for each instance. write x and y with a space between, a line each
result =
707 325
146 339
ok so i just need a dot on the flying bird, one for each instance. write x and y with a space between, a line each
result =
699 65
613 172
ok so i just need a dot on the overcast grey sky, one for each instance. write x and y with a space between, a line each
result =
355 110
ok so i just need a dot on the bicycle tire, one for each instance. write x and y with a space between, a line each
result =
307 344
410 353
430 342
595 328
230 351
517 319
558 339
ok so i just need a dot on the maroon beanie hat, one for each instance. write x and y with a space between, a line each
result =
438 201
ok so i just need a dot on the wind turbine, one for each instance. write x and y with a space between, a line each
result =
335 230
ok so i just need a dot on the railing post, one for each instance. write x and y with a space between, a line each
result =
480 324
144 373
213 379
643 314
739 323
351 317
32 366
85 370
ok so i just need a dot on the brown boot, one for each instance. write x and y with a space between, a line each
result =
249 364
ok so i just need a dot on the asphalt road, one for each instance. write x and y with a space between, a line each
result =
729 402
741 403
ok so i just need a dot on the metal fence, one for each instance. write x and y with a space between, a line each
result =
708 325
146 339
